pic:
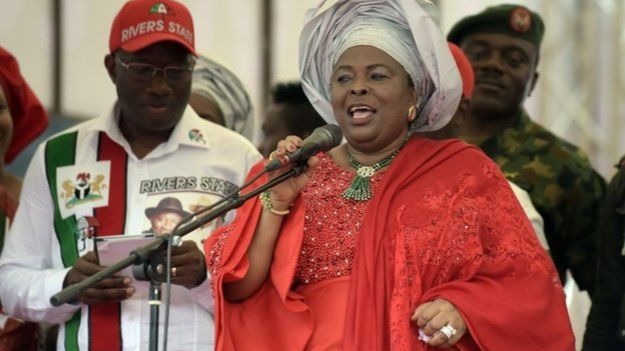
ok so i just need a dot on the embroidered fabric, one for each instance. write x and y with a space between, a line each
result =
479 224
439 248
213 257
448 227
331 223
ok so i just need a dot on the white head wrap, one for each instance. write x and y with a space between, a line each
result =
219 84
403 30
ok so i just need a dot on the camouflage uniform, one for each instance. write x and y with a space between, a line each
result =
563 186
605 329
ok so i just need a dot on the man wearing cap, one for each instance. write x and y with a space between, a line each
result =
165 216
453 128
148 144
502 43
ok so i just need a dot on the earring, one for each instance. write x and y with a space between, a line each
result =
412 113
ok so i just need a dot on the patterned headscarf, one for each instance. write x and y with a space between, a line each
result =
219 84
398 27
29 117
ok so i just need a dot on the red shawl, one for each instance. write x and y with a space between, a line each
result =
443 224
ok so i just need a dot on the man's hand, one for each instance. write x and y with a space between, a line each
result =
113 289
188 266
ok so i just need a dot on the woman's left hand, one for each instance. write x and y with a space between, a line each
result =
432 316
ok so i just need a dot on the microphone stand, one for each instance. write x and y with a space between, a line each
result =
145 254
155 304
154 271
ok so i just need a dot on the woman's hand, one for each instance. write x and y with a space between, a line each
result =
261 250
283 194
432 316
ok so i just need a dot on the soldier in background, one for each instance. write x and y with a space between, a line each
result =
502 43
605 329
452 129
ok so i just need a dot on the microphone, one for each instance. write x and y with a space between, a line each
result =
322 139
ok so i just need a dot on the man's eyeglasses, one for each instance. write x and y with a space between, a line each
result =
144 72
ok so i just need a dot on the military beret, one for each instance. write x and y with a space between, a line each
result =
509 19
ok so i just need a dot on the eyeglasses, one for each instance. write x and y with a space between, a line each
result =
144 72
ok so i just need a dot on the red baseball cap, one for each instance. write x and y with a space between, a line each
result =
141 23
465 68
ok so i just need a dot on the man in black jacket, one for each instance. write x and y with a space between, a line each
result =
605 328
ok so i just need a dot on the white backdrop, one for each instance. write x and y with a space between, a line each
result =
26 31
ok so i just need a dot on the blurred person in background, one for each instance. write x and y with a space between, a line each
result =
502 43
22 119
605 328
218 95
452 130
290 113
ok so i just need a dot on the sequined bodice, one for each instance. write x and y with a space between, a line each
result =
331 224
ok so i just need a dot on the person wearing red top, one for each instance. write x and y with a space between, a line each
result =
390 241
22 119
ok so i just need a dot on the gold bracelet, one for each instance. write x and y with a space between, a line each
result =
266 202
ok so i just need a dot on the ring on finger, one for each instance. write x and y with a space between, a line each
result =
173 271
448 331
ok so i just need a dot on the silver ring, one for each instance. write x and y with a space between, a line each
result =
449 331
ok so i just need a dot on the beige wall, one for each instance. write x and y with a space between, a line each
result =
25 31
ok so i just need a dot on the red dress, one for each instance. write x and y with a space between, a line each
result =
443 223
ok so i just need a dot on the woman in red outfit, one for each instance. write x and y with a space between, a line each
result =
389 241
22 119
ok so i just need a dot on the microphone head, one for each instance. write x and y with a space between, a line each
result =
335 133
321 139
324 138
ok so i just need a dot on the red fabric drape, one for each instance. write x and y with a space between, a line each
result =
444 223
29 117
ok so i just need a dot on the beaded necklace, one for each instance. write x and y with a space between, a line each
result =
360 189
